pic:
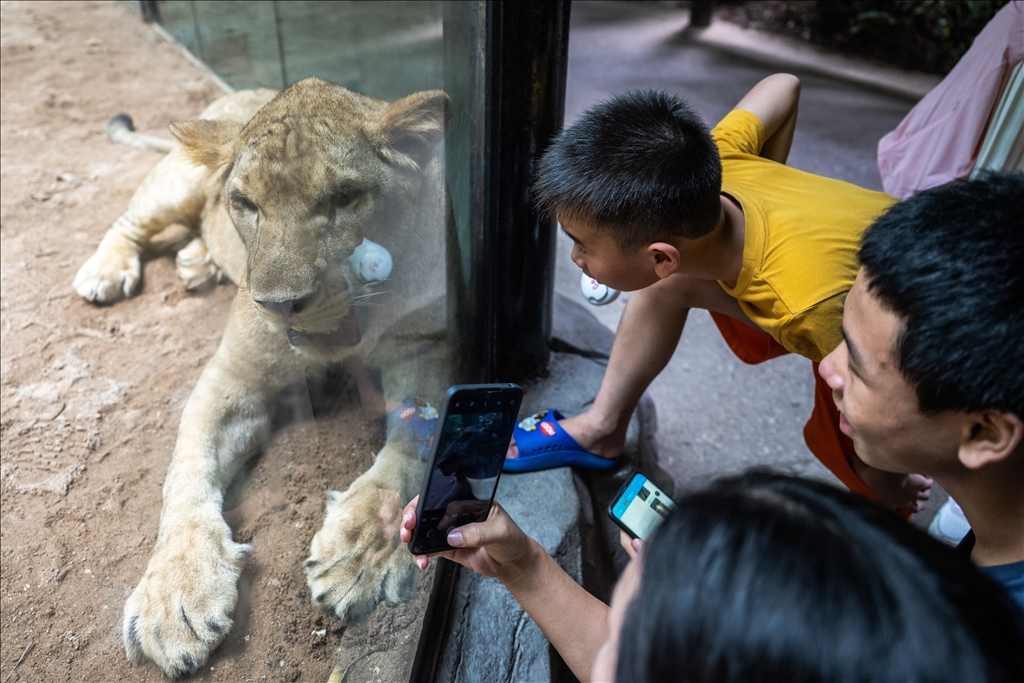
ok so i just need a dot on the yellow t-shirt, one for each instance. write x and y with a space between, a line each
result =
803 233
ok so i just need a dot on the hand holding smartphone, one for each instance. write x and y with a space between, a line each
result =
468 451
639 506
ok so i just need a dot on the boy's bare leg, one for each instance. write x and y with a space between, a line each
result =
648 334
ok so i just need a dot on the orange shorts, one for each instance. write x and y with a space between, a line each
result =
833 448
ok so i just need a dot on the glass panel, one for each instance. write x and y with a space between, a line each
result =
381 49
331 211
237 39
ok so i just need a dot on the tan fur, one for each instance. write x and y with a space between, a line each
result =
323 167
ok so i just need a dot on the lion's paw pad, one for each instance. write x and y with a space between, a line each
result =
356 559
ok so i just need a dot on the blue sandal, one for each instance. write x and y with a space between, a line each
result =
414 422
544 445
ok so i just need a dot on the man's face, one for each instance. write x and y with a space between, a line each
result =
600 257
877 404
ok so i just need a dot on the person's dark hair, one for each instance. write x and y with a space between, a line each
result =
642 166
766 577
950 263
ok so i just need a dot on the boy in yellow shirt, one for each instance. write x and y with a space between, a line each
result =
689 218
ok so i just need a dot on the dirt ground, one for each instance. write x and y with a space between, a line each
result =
91 396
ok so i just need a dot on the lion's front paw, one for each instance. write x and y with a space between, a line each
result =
114 271
196 266
182 607
356 559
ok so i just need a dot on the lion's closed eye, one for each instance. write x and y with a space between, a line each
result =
243 204
347 199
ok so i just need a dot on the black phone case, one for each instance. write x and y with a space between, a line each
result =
418 543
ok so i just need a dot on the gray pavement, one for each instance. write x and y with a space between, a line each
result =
715 414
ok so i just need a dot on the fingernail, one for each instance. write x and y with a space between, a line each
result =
455 538
421 562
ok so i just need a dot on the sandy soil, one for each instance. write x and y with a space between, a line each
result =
91 396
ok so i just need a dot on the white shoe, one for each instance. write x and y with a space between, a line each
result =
949 525
595 293
371 263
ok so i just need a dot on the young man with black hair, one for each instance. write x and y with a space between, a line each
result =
684 217
930 377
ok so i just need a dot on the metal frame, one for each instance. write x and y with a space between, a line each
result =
501 253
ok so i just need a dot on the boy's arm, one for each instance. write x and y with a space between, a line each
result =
774 100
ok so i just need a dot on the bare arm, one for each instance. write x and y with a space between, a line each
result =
774 100
573 620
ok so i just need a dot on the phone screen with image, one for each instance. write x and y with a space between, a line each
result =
640 507
468 454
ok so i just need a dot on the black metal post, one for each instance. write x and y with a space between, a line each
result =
150 11
700 13
528 49
500 252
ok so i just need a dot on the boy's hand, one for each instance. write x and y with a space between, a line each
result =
495 547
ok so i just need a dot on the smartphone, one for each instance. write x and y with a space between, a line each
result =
639 506
471 438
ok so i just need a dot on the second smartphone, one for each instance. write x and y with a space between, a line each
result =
472 436
640 506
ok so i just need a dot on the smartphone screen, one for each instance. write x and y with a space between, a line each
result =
640 507
469 450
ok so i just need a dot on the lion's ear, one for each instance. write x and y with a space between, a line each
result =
207 143
412 127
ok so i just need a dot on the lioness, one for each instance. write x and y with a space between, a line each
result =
279 189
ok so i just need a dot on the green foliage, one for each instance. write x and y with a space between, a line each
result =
926 35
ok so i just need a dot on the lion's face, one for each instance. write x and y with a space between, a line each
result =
313 172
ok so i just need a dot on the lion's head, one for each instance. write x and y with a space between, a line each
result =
312 173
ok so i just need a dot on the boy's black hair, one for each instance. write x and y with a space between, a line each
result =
767 577
950 263
642 166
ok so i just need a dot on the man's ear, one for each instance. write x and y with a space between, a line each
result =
666 258
412 126
990 436
207 143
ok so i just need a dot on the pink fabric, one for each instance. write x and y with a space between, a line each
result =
939 140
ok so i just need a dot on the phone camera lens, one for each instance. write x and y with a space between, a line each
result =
499 403
512 402
471 403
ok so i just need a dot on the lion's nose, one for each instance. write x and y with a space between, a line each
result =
287 307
